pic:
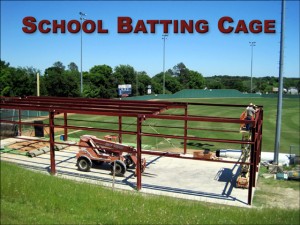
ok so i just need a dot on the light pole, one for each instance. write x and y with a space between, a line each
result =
280 88
252 44
164 36
82 15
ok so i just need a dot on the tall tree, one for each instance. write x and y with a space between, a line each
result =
4 65
195 80
60 83
100 83
127 72
73 67
182 73
59 64
17 81
143 81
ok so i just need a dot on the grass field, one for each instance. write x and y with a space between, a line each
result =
33 198
290 131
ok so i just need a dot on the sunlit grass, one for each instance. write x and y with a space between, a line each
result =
33 198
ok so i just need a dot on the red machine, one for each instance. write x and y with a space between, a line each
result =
96 151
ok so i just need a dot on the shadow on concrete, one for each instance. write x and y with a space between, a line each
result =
229 177
224 175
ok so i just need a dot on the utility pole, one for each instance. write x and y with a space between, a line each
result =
82 15
164 37
280 88
252 44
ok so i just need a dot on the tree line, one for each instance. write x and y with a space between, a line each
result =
102 81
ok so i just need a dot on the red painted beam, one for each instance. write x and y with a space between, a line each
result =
52 149
198 138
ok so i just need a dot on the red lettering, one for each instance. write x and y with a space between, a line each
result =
152 25
175 26
41 26
166 25
85 25
29 22
269 25
201 29
255 26
186 26
100 29
140 27
124 25
241 27
221 24
61 26
77 26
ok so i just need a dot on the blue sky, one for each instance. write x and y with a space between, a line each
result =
212 53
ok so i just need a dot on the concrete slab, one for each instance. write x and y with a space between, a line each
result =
181 178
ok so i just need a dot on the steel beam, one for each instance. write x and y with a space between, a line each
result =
120 129
20 123
52 149
139 154
185 130
65 126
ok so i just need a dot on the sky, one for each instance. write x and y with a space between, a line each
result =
210 53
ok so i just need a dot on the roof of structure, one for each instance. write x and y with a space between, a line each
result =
112 107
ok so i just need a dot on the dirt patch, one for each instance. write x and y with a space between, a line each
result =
280 197
26 146
30 132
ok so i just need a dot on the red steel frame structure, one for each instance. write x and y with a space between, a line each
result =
141 110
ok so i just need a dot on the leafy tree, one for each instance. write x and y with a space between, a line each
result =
73 67
182 73
172 84
17 81
100 83
157 83
4 65
215 84
127 73
195 80
143 81
6 84
156 87
60 83
59 65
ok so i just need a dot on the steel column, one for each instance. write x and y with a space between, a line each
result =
20 123
139 154
260 134
252 169
185 129
52 150
65 126
120 129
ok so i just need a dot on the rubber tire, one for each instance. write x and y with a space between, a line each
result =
128 161
83 164
120 168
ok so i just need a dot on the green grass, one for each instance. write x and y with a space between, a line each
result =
289 127
29 197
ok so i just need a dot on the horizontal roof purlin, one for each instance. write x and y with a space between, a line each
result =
88 106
